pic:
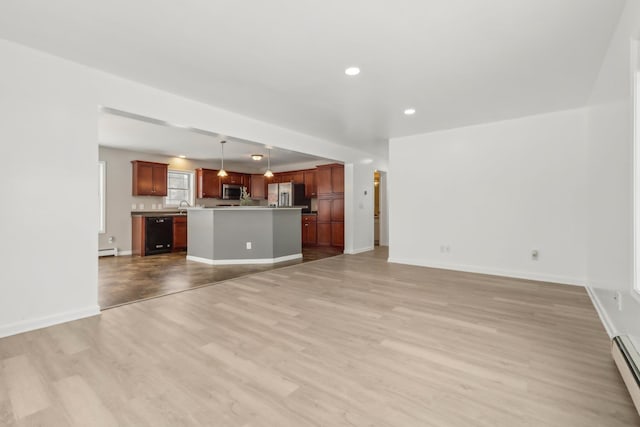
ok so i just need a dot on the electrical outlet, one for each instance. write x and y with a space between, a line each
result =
248 245
111 239
534 254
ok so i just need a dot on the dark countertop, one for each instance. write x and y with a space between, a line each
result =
160 212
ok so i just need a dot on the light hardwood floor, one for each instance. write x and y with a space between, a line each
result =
344 341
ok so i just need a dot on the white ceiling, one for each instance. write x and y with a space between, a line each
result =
126 132
458 62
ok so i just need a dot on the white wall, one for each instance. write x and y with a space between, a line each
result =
358 208
491 194
49 110
48 131
610 178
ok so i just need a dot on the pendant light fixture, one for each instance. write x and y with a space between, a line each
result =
268 173
222 173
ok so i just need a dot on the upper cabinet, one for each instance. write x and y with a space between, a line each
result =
330 179
232 178
149 178
310 188
258 186
207 184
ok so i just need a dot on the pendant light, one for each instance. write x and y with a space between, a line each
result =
268 173
222 173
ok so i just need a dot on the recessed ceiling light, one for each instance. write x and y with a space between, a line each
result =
256 157
352 71
410 111
182 156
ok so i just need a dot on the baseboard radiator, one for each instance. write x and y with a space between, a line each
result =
108 252
628 361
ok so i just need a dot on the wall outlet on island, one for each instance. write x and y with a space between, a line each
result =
248 245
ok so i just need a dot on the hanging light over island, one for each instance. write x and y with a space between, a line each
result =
222 173
268 173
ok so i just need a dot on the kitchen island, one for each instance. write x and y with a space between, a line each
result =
243 235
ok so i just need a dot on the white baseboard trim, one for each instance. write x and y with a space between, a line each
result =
492 271
108 252
244 261
123 253
43 322
602 313
358 251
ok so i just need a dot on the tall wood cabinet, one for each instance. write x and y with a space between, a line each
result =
149 178
330 223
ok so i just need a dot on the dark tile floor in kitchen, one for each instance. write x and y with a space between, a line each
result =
125 279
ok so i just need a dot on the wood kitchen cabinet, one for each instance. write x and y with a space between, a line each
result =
309 230
309 179
323 233
207 184
138 235
330 184
323 180
246 182
297 177
232 178
330 179
149 178
337 179
179 233
258 186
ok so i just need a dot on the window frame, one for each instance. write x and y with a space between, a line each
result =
191 198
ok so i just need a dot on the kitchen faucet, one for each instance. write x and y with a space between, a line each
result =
185 202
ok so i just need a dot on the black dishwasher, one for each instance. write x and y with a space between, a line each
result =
159 235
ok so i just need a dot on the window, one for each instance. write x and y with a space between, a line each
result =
101 195
179 187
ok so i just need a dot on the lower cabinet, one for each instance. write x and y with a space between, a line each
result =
309 230
179 233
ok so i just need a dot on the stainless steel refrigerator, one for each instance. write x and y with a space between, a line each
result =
287 194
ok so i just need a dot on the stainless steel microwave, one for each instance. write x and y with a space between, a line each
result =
231 191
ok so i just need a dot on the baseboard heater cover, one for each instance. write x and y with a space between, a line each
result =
108 252
628 361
